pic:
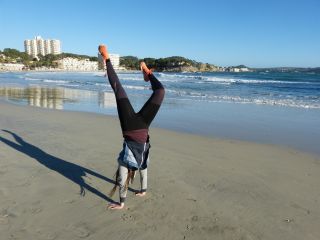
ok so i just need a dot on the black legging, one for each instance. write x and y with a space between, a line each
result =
129 119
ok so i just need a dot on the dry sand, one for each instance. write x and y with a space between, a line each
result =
199 188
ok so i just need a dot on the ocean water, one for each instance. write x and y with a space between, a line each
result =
274 108
282 89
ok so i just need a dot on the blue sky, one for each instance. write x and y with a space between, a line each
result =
256 33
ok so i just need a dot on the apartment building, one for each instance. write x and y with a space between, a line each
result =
114 58
41 46
11 67
74 64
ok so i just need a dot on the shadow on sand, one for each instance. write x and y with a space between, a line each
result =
71 171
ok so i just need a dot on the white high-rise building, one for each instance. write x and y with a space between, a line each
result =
38 46
55 46
47 46
115 60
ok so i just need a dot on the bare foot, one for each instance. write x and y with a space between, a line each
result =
116 206
103 51
145 71
141 194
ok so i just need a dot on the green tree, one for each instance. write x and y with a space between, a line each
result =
130 62
11 53
93 59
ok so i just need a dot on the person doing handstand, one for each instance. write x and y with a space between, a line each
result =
135 128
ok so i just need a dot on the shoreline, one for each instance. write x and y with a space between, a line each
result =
250 130
160 123
199 187
308 70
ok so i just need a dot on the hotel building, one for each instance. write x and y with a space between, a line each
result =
114 59
11 67
74 64
38 46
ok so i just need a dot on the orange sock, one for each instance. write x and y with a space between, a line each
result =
144 68
103 51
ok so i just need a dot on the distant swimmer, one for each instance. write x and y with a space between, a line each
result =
135 128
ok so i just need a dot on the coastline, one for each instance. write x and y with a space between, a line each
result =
248 107
291 127
199 187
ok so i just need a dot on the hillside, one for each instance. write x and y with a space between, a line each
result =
169 64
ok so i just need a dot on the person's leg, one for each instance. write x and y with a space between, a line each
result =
112 76
125 109
151 107
143 182
114 81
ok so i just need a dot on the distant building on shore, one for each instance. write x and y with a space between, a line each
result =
115 60
41 46
11 67
74 64
240 68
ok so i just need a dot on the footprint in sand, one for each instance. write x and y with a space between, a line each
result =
70 201
127 217
4 220
50 236
3 170
194 218
7 213
210 187
35 210
2 193
80 231
23 184
148 199
47 236
158 195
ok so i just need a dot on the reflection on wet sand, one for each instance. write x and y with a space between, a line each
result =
36 96
55 98
106 99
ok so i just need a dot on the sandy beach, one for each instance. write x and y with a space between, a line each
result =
57 167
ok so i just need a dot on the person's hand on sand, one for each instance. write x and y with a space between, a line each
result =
115 205
141 194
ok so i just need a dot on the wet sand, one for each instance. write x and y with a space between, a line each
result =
56 169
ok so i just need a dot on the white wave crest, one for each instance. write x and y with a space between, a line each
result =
101 84
286 102
54 81
224 80
135 87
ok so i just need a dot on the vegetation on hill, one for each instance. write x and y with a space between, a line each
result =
130 62
10 55
175 63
